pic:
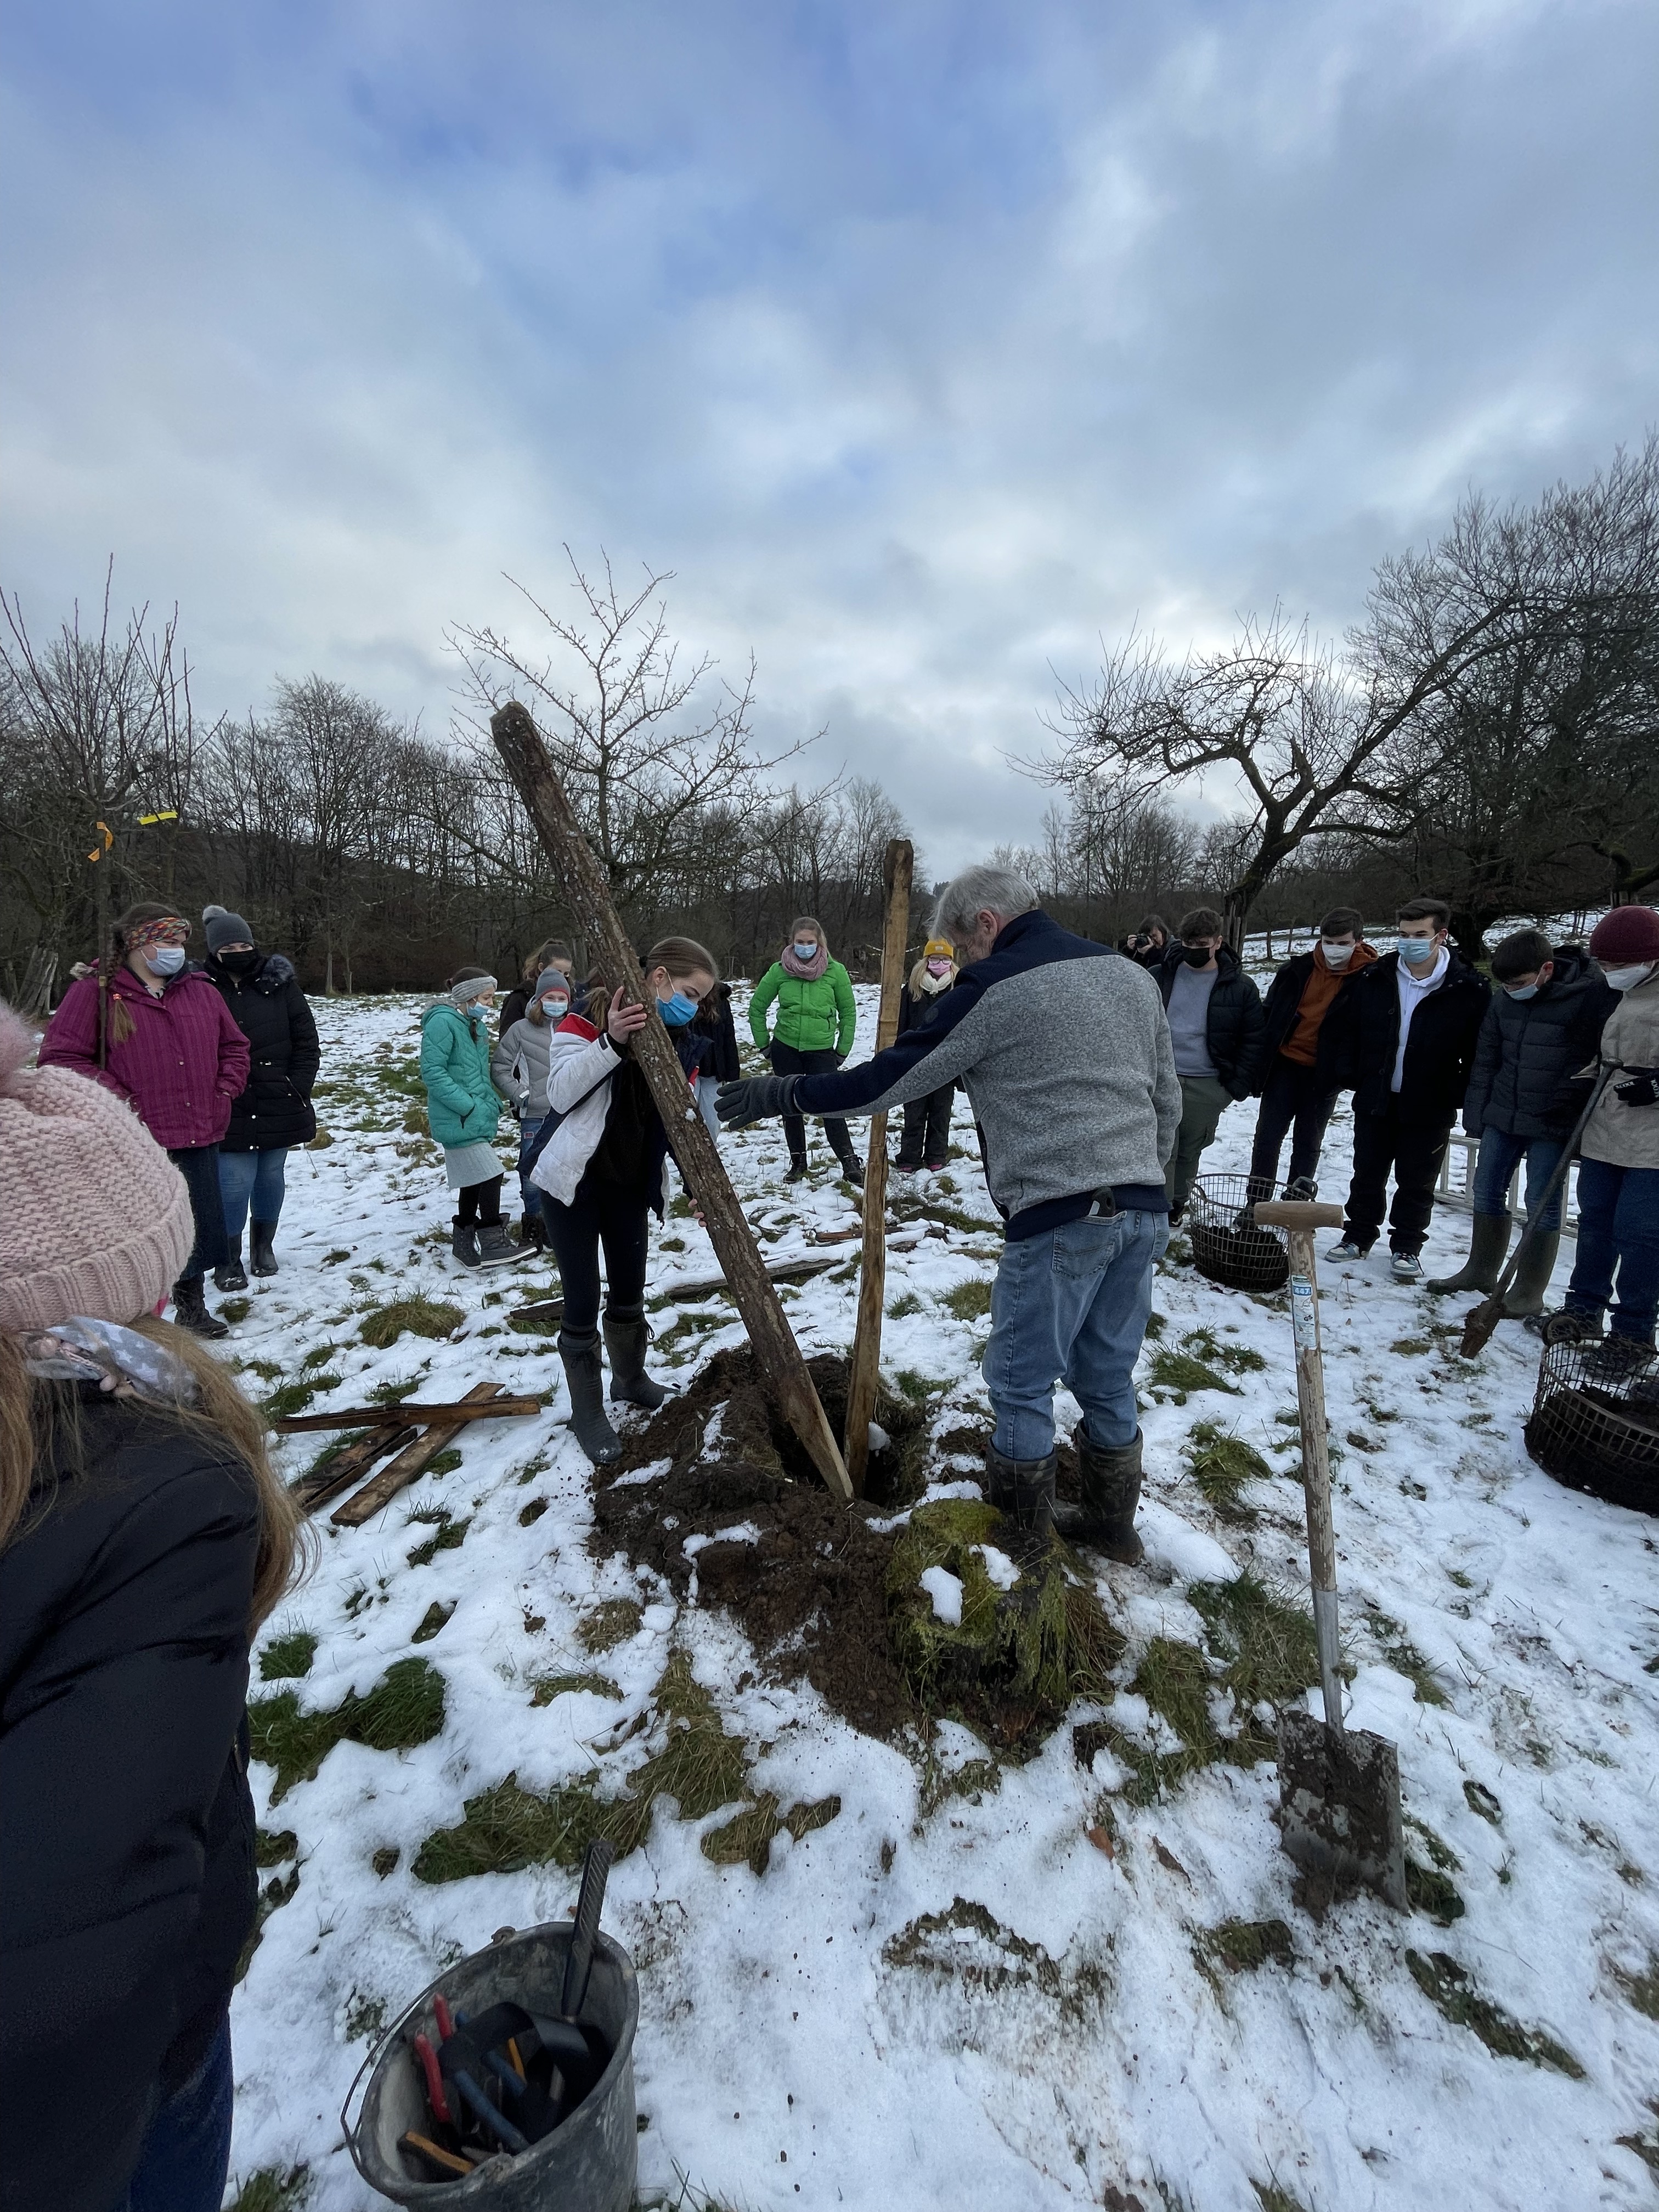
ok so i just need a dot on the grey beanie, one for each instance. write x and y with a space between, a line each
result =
552 979
223 927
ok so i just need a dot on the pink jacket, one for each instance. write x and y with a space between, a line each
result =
178 1071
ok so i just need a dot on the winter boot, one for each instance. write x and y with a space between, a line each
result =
1480 1271
1105 1520
463 1242
189 1310
1023 1489
495 1247
230 1277
532 1234
796 1168
1525 1294
582 1372
852 1167
264 1259
1302 1189
626 1335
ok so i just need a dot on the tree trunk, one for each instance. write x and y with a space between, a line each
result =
777 1355
865 1367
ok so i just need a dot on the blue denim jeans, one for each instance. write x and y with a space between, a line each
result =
1494 1170
252 1176
186 2152
1618 1231
1071 1307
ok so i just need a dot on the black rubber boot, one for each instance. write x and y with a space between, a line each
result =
532 1234
626 1335
582 1372
230 1277
1525 1295
463 1242
796 1168
495 1247
189 1310
1023 1489
1105 1520
1487 1247
852 1167
262 1234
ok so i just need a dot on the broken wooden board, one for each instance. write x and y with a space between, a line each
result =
351 1460
413 1460
360 1417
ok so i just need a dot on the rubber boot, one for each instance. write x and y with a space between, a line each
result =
264 1259
189 1310
1023 1489
1525 1294
230 1277
585 1378
463 1241
532 1234
1105 1520
796 1168
626 1335
1480 1271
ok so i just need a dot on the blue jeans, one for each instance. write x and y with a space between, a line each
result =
1618 1229
535 1201
186 2152
1071 1307
256 1176
1494 1170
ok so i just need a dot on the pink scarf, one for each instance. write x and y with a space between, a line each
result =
807 971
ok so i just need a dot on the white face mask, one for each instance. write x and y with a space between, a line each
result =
1418 952
1336 956
166 959
1626 979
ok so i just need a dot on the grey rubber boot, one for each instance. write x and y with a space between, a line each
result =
1105 1520
230 1276
1525 1294
626 1335
1023 1489
263 1260
582 1372
1487 1246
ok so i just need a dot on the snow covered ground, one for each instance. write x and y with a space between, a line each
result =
978 2003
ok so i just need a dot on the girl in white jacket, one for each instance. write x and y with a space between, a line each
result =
604 1164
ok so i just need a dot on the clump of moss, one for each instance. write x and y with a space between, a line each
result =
1179 1374
1448 1989
1221 1464
434 1620
750 1836
544 1688
419 1315
611 1622
404 1710
288 1658
1242 1945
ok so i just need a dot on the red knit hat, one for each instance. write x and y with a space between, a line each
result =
1627 936
97 1218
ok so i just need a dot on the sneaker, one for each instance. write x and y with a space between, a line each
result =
1302 1189
1406 1268
1347 1250
1563 1325
906 1167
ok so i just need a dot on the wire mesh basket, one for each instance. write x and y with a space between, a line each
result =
1594 1421
1227 1245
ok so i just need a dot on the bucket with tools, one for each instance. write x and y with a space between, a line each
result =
507 2085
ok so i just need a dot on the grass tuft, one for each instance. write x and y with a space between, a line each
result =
433 1621
1267 1642
544 1688
288 1658
270 2190
1642 1988
419 1315
1179 1373
404 1710
1448 1989
611 1623
970 1301
1221 1464
295 1397
449 1536
1242 1946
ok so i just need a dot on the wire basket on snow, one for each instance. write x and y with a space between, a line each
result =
1227 1245
1594 1421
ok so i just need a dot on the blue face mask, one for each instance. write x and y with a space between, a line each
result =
805 953
1522 990
676 1011
1416 950
166 959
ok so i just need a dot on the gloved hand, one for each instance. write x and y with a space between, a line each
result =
1642 1090
754 1098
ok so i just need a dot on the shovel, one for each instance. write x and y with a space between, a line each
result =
1480 1321
1338 1788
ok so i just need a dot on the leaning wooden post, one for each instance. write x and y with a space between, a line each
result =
776 1353
873 1273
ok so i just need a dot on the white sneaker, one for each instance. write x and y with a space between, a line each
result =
1406 1268
1347 1250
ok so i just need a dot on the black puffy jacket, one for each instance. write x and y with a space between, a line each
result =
269 1009
1530 1049
1232 1029
127 1880
1360 1035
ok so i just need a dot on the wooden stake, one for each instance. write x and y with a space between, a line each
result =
348 1464
865 1370
399 1473
777 1355
362 1416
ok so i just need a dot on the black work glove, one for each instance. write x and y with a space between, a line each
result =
1642 1090
754 1098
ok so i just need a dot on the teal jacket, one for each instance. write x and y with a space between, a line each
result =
811 1016
462 1103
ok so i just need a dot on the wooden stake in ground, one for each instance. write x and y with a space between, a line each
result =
777 1355
896 871
399 1473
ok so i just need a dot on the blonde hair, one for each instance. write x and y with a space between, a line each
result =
41 1422
681 956
808 921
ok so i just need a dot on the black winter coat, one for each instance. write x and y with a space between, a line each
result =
1529 1051
714 1022
1283 1001
127 1882
1360 1035
1232 1029
271 1010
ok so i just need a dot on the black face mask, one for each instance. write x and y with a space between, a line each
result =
1196 956
239 963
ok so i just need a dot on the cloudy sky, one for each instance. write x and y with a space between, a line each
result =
927 340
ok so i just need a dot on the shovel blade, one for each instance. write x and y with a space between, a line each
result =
1339 1806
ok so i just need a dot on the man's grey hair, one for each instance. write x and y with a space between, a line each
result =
986 890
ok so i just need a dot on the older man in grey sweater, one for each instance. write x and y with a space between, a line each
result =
1064 1049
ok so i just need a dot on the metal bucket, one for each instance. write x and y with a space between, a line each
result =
587 2164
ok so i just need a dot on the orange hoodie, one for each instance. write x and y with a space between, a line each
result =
1318 997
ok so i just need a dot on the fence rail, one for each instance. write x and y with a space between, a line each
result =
1458 1197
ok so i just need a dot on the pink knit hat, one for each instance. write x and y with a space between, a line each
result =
1627 936
95 1219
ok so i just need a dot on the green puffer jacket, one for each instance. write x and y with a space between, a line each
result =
811 1016
462 1103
